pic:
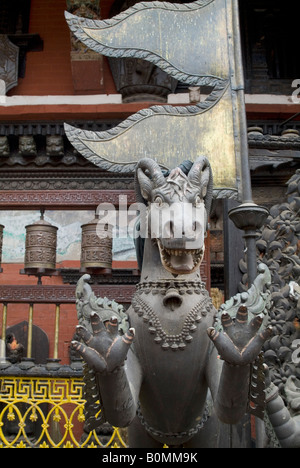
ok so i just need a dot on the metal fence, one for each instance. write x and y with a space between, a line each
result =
43 412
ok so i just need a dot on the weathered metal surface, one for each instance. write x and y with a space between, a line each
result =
154 31
167 133
209 55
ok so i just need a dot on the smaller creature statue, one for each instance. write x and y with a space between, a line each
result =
14 350
27 146
4 146
54 145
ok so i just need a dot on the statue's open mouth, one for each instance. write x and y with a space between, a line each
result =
180 261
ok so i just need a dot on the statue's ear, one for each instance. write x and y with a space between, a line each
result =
145 184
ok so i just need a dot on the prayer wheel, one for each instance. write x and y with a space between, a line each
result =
1 244
96 245
40 250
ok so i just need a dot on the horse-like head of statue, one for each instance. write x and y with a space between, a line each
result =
178 206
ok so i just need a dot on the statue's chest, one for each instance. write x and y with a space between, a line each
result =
173 349
170 330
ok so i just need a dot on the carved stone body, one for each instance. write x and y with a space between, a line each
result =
155 375
172 345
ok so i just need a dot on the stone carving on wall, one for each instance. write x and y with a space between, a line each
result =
278 246
27 146
54 145
4 146
9 62
87 9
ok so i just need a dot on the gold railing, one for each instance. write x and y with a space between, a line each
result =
38 412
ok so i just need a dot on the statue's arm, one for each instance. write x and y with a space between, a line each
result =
116 367
237 347
229 387
119 392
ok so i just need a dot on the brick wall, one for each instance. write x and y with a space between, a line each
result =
43 314
49 72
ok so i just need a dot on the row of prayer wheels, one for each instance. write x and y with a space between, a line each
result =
41 247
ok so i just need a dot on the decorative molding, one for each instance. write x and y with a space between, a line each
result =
274 142
20 181
121 277
65 294
60 199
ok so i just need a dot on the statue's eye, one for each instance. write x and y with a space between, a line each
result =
198 200
158 201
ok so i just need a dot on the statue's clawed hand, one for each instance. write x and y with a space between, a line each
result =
241 341
105 349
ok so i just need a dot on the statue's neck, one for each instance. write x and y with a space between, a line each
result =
153 269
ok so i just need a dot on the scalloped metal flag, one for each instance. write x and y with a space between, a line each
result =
188 41
196 43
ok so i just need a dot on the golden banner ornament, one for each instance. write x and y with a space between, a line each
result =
198 44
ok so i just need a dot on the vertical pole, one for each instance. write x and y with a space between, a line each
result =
56 333
248 217
4 321
240 93
30 325
4 326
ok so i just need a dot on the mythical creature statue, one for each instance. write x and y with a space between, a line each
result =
154 372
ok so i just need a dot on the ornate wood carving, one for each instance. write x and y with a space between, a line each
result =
278 247
64 294
62 200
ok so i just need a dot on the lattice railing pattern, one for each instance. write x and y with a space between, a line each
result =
47 413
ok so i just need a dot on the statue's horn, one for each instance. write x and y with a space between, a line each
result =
155 176
200 176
